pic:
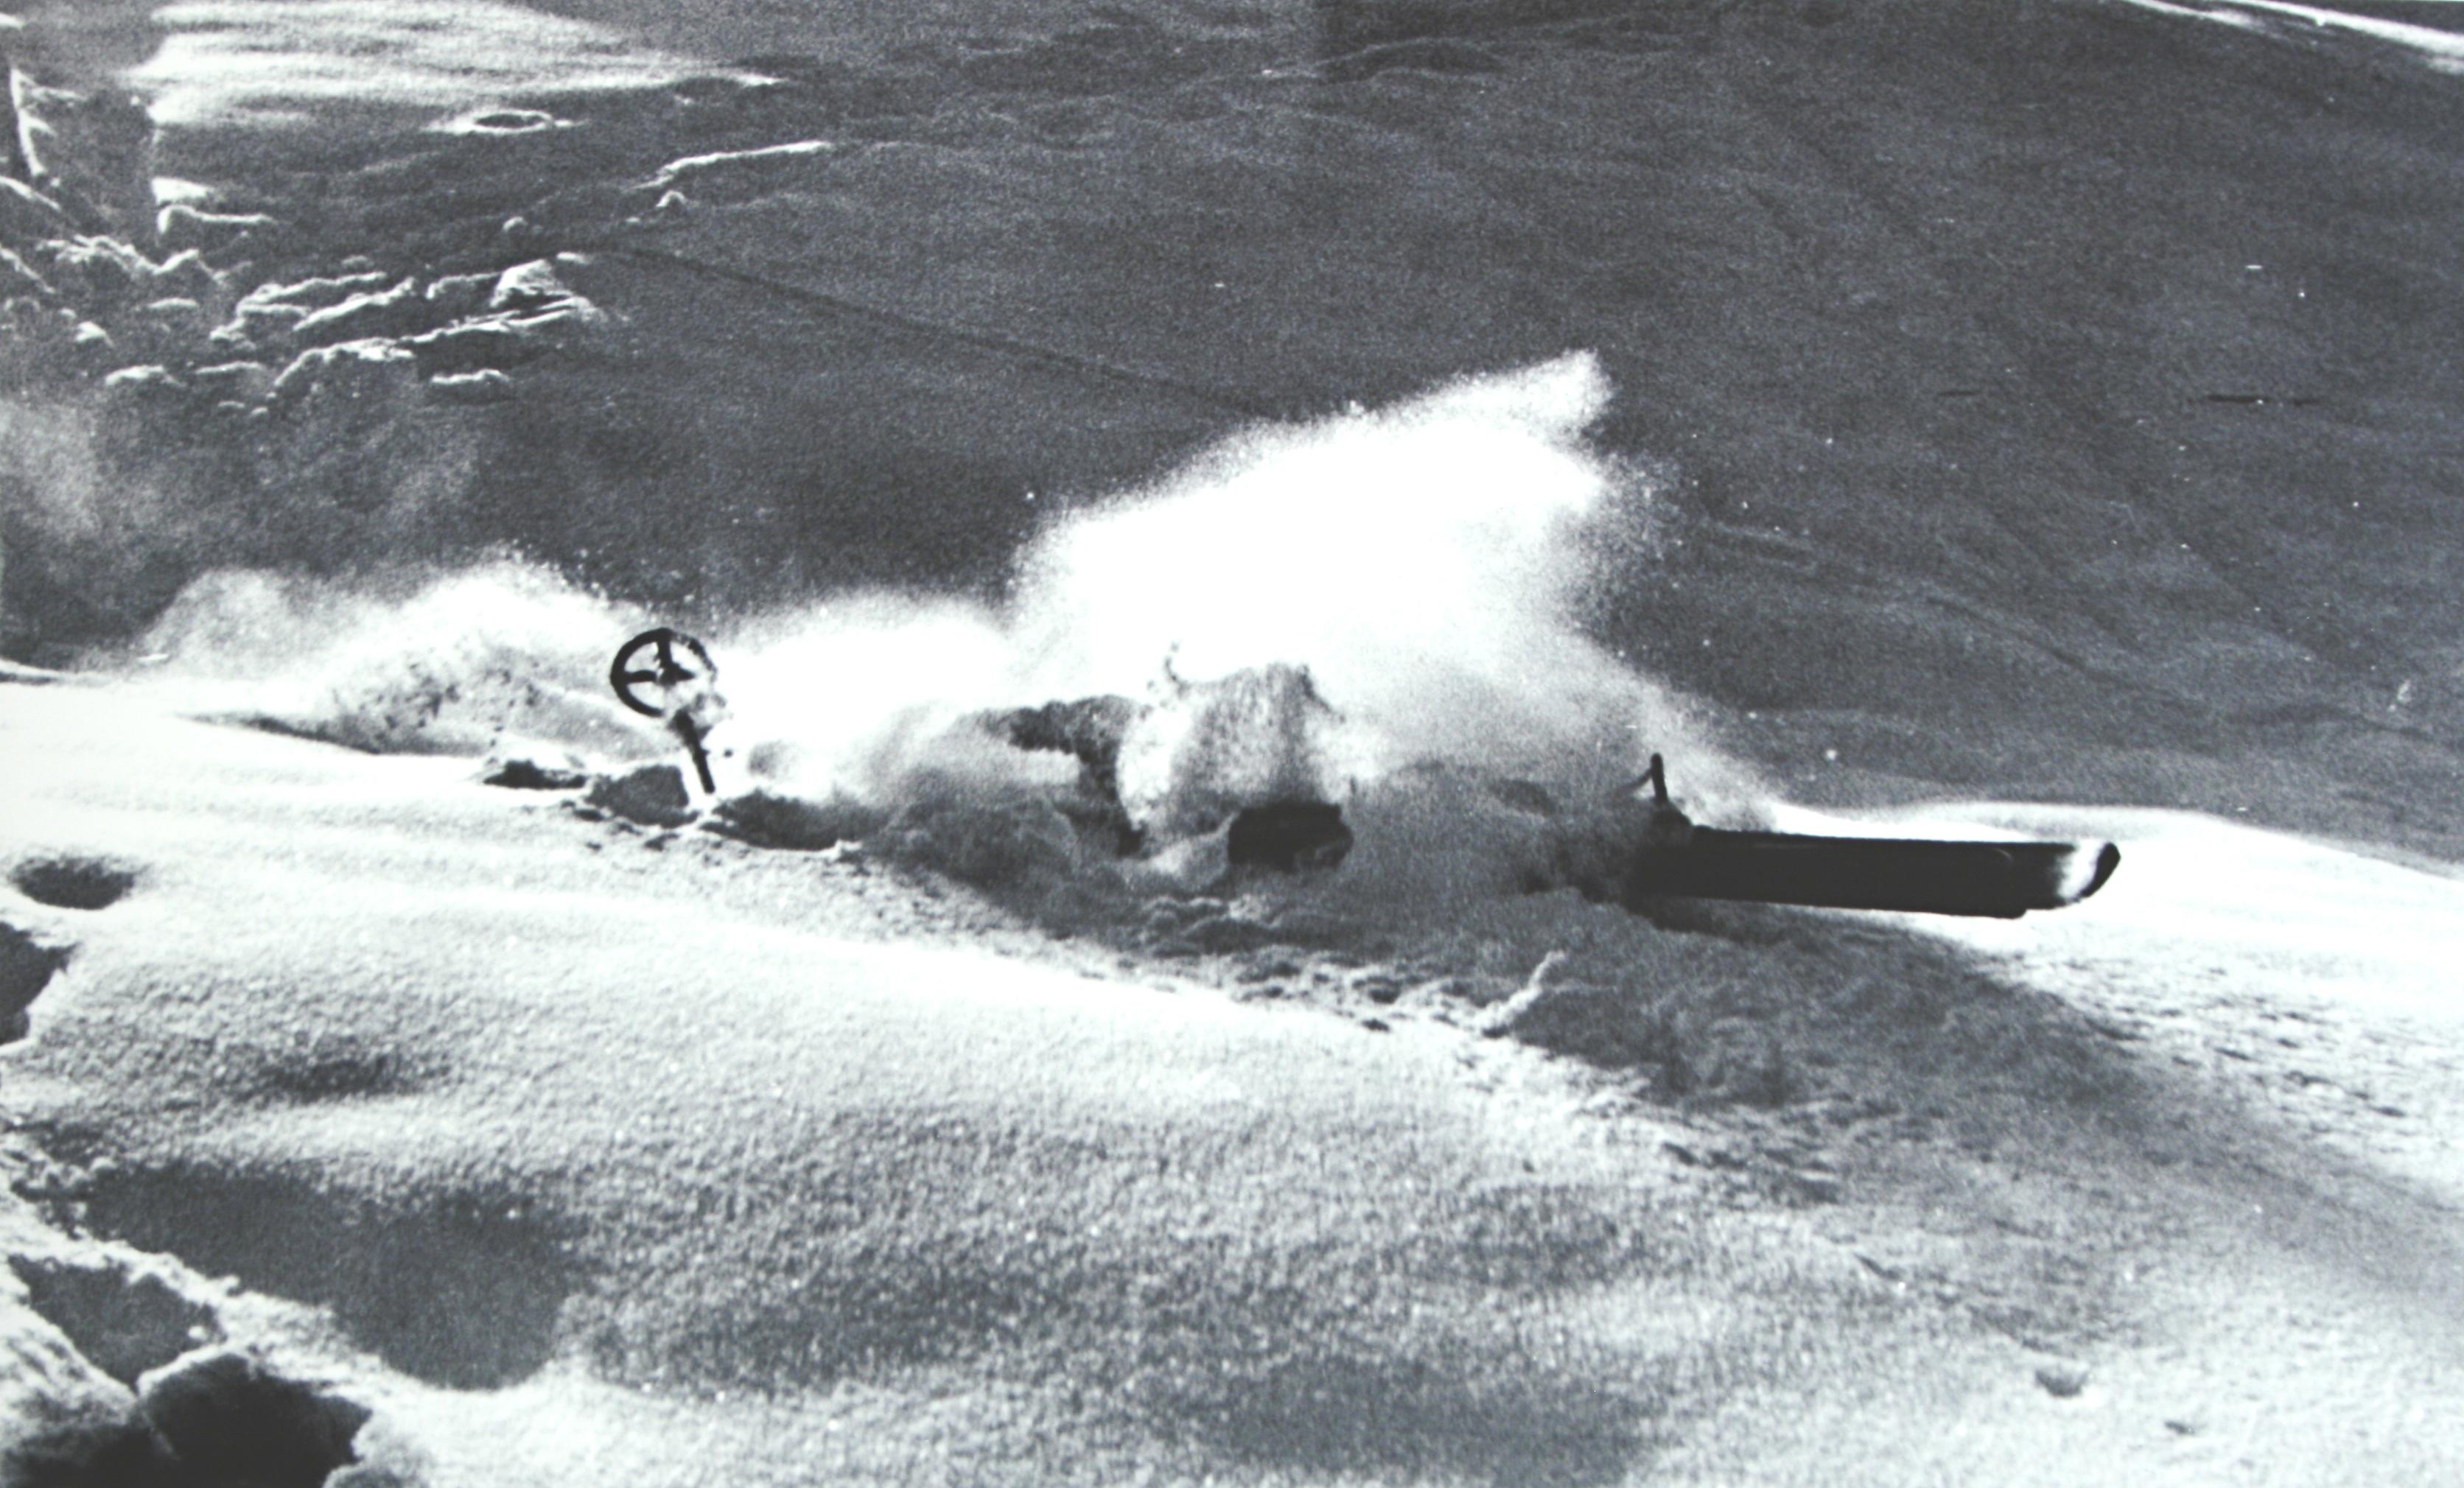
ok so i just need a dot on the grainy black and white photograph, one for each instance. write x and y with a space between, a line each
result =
1256 743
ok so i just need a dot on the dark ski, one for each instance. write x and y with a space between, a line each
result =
1997 880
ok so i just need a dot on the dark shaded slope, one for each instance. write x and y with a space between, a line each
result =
2200 284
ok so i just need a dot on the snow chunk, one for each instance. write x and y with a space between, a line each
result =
1259 736
310 295
734 166
226 1415
388 312
179 225
28 963
528 286
774 819
28 216
471 389
238 381
1606 1025
354 367
126 1320
653 795
461 293
141 379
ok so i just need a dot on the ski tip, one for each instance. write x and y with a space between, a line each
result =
2090 865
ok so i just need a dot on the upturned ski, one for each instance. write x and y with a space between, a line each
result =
1996 880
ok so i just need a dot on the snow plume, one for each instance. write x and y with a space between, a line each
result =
1424 562
502 654
1423 565
62 520
857 696
116 496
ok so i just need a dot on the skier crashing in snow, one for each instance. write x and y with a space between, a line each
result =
1246 771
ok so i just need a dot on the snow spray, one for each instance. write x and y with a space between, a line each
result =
1423 563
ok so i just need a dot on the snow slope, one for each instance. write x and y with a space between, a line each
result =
2049 400
577 1150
